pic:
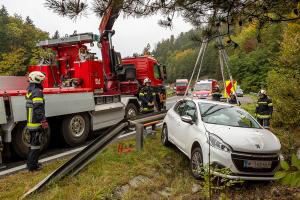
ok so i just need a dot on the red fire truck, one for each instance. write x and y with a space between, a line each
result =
82 93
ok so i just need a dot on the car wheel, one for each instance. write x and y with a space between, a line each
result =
164 136
131 111
75 129
21 140
196 163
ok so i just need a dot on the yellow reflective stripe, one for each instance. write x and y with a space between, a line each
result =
33 125
141 94
29 120
262 102
28 94
270 104
263 116
37 99
153 93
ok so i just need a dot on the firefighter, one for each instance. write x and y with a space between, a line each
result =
147 97
264 109
233 99
216 95
36 120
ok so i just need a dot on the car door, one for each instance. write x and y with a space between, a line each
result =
174 120
186 131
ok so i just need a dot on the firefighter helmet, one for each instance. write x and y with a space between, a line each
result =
263 92
147 80
36 77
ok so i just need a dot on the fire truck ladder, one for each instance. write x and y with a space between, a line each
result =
83 158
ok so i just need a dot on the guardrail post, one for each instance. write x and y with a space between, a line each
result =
139 136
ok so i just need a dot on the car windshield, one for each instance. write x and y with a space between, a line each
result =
226 115
203 87
181 84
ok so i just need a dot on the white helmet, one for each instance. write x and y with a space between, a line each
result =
147 80
263 92
36 77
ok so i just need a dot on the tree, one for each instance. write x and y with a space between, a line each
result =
198 12
28 21
56 35
284 79
146 50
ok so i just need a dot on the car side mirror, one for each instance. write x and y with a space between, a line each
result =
187 119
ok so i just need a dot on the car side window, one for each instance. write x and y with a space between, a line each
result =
190 110
179 108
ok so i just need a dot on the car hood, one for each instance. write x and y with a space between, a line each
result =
250 140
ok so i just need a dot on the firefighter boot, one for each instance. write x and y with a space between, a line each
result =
34 152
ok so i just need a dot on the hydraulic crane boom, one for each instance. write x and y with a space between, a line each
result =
110 58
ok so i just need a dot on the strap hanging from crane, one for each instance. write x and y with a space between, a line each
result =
201 52
224 60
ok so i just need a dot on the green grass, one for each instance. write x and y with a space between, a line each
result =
166 167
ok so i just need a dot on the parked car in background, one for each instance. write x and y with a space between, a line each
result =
236 140
181 86
239 92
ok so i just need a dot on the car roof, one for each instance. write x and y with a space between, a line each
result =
207 101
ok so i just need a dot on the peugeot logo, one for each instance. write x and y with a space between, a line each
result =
257 146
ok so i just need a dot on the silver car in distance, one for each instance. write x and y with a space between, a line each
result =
234 138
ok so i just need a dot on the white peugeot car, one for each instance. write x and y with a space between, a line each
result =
234 138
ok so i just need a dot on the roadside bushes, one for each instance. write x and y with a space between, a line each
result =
284 80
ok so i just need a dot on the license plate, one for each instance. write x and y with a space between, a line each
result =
258 164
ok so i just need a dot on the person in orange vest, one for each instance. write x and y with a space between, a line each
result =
264 109
36 119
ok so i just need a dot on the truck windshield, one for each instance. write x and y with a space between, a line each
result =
203 87
157 72
181 84
226 115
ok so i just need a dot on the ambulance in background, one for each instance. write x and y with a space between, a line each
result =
203 89
181 86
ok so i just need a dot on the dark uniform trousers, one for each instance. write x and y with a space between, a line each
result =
264 109
146 96
35 108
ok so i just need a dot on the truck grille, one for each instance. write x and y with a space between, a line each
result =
239 158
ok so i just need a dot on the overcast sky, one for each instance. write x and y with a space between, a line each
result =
131 36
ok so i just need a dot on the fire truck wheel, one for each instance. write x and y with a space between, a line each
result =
131 111
21 140
75 129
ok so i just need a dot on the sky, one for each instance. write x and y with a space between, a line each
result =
132 34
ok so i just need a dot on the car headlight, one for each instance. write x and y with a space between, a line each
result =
218 143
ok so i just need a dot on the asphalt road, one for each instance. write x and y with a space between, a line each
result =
172 100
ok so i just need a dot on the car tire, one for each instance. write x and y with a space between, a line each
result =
21 140
131 111
75 129
196 163
164 136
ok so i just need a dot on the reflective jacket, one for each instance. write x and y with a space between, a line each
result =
264 108
147 95
35 106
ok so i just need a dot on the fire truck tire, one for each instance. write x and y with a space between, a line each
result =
131 111
75 129
21 139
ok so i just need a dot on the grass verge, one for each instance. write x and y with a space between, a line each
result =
167 171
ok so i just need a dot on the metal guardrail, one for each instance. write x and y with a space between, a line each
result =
83 158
